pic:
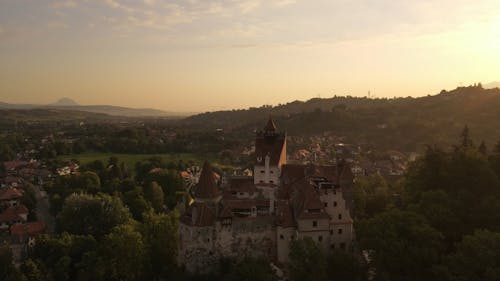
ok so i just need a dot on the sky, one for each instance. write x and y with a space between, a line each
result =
201 55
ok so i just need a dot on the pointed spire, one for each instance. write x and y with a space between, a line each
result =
206 187
270 127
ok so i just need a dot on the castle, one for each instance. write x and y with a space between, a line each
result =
260 215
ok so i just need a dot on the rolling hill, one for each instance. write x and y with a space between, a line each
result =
404 123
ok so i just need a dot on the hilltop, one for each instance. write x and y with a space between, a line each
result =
405 123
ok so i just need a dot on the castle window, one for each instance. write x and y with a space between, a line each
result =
262 172
282 237
340 231
331 232
261 181
320 238
272 172
326 204
340 216
208 240
332 246
334 203
315 223
271 181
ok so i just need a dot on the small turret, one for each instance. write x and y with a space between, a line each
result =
207 186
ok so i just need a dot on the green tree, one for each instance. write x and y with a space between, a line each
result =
401 244
371 196
136 203
29 197
32 271
7 270
154 194
123 253
171 183
91 215
62 255
477 257
90 182
465 140
159 232
250 269
343 265
306 261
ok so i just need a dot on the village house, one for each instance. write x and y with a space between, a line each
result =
23 237
13 215
10 197
260 215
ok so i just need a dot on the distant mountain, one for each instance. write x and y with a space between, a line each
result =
69 104
121 111
492 85
64 102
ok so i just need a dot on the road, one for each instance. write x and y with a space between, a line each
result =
43 209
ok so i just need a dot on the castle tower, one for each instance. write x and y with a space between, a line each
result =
206 190
270 154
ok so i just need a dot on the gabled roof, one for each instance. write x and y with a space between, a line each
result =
206 187
13 213
27 229
10 193
13 165
307 199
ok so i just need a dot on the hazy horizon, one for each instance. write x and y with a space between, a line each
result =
196 56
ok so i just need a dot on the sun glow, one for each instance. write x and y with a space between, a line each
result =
494 36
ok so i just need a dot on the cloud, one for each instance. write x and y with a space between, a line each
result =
64 4
117 5
150 2
57 24
249 5
283 3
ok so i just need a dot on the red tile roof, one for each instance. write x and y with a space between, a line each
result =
19 209
27 229
13 165
9 218
13 214
307 200
11 180
10 194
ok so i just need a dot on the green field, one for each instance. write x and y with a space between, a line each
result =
131 159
